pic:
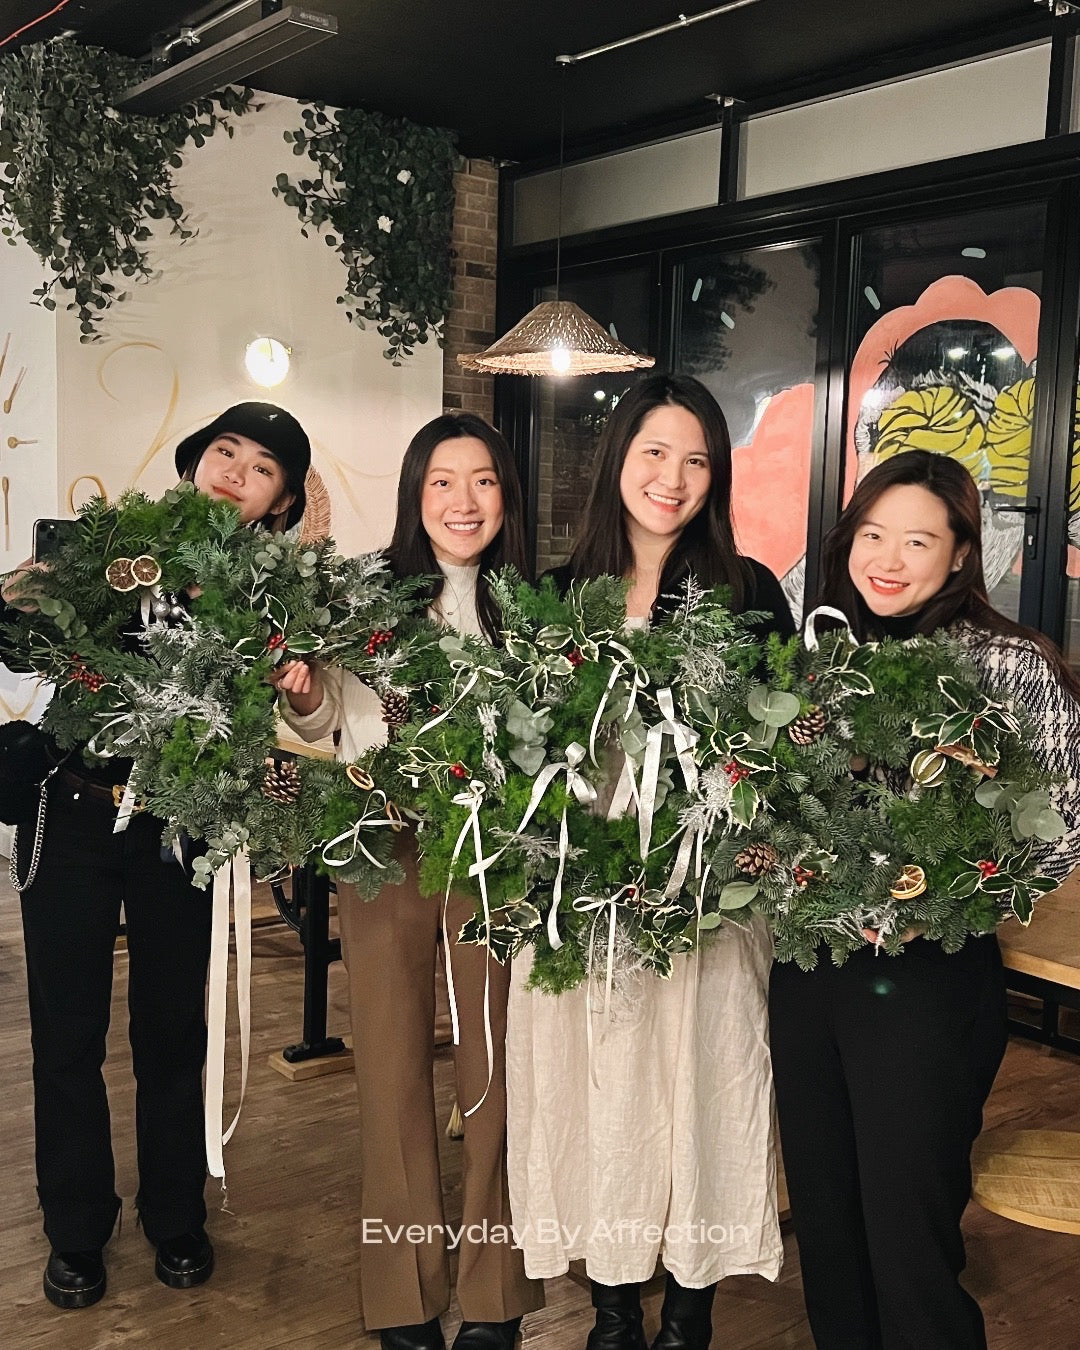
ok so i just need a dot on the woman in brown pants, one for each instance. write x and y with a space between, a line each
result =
459 518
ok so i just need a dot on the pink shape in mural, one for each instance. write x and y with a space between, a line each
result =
771 481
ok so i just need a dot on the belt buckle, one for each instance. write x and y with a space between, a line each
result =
118 790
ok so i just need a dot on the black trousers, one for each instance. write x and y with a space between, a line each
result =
882 1068
70 919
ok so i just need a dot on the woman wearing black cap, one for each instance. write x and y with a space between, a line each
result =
256 455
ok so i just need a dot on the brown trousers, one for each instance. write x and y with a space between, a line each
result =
390 945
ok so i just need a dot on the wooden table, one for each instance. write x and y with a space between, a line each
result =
1043 960
1031 1176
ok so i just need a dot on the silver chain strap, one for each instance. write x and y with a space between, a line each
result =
35 854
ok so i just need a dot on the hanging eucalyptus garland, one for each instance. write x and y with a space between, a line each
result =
83 182
385 193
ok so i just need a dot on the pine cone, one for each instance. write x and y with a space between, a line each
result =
757 859
282 781
809 726
395 709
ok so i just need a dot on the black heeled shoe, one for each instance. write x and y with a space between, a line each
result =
415 1336
185 1261
618 1317
74 1279
686 1317
487 1335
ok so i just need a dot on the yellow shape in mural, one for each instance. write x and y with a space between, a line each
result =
1074 477
939 419
1008 438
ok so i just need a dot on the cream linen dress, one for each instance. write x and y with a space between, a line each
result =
669 1153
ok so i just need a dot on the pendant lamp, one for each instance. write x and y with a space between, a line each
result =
556 337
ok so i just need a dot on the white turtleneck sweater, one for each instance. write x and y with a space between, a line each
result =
353 708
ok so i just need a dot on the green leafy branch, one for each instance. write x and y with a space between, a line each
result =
83 182
384 193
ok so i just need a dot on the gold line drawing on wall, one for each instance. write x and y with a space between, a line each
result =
84 478
163 433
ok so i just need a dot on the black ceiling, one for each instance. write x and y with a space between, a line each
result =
488 69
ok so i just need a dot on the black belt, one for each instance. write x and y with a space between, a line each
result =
112 794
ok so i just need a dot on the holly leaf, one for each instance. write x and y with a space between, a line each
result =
744 802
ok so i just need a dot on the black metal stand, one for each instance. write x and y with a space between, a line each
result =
1054 997
308 912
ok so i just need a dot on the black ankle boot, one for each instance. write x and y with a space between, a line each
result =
418 1336
618 1317
686 1317
74 1279
487 1335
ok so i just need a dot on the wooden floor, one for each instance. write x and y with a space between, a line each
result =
287 1251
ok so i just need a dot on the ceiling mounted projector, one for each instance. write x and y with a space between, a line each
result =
233 60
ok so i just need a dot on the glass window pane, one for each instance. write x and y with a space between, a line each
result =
747 327
945 346
571 411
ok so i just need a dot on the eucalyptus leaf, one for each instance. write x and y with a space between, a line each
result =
737 894
772 706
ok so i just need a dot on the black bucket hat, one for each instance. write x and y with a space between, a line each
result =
269 426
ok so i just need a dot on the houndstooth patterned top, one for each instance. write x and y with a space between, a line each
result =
1014 668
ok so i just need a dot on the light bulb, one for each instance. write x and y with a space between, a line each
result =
266 361
560 360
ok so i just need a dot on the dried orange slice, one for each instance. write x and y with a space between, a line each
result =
120 576
910 883
146 570
359 778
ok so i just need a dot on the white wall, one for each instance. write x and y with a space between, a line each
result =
171 357
29 470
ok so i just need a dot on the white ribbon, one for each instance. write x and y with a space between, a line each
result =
473 799
595 905
585 793
639 680
810 637
365 822
124 811
470 684
685 739
234 875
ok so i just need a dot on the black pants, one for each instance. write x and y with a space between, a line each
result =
882 1068
70 919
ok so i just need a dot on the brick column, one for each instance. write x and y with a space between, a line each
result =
470 325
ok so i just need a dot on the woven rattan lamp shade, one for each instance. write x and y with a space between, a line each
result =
555 338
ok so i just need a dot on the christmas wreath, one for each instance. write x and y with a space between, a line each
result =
521 762
158 623
911 801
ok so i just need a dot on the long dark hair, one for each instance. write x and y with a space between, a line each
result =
410 553
964 596
706 547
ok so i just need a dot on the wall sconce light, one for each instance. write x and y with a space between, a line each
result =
266 361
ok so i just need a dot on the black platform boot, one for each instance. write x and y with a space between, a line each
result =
417 1336
618 1317
686 1317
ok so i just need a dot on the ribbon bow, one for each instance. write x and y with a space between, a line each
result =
685 739
585 794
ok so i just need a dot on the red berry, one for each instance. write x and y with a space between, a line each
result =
977 722
459 770
811 678
575 657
